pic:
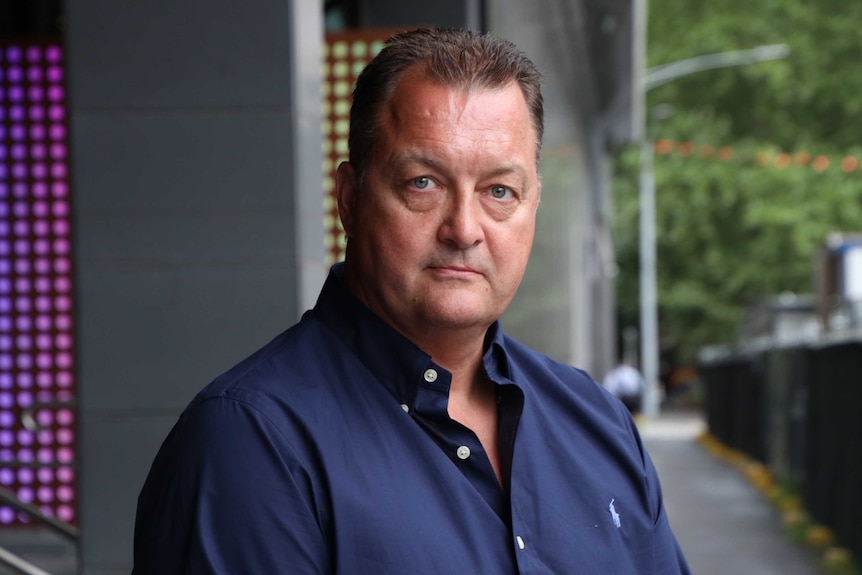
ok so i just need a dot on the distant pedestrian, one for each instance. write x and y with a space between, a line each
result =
627 383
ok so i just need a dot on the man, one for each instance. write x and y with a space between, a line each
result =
396 429
626 382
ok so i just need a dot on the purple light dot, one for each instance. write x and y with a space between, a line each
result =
65 513
24 361
17 132
65 417
43 285
43 304
63 303
42 265
3 150
25 454
6 515
5 363
20 209
34 54
4 248
25 380
59 190
65 436
58 151
37 132
7 418
25 475
45 474
57 131
22 247
23 323
5 268
7 476
55 74
61 228
22 285
45 437
43 378
25 494
41 228
25 399
24 342
4 189
54 54
40 209
37 113
45 494
58 171
63 322
64 341
64 379
13 54
40 190
61 246
39 171
36 93
44 361
16 113
41 247
7 438
19 152
62 285
43 341
56 93
56 112
6 381
34 74
43 322
21 228
16 94
6 342
64 360
14 74
44 417
65 455
62 265
23 304
65 475
37 152
19 190
5 285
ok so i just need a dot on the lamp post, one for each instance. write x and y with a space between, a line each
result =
648 286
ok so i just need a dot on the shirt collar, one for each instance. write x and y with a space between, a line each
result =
392 358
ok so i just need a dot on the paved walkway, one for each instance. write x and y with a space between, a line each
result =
724 526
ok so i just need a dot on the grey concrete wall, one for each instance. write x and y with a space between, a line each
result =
198 219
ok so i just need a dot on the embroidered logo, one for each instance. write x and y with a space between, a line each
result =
614 515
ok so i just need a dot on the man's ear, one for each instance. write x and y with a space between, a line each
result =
345 195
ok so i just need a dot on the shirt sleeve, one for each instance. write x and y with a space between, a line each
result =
226 494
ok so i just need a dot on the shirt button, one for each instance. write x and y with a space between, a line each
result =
520 542
463 452
430 375
405 407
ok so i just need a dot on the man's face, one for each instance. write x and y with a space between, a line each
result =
441 230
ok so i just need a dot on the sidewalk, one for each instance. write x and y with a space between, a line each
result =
724 526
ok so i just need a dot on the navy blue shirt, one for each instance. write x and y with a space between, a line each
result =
330 450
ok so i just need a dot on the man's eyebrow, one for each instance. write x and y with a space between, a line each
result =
412 158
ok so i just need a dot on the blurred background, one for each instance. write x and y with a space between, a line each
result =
165 209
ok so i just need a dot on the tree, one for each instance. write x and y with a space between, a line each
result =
737 226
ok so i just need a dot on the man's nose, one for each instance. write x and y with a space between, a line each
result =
461 224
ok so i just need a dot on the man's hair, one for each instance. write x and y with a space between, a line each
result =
455 58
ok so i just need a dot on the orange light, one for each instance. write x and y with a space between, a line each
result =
686 149
820 164
664 147
706 151
725 153
782 160
849 163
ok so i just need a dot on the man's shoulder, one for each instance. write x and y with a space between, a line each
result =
528 358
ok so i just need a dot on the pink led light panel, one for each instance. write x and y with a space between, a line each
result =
37 384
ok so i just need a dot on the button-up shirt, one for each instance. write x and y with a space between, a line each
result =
331 450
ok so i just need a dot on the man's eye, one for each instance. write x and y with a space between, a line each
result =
422 182
500 192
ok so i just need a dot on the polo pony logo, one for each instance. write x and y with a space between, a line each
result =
614 515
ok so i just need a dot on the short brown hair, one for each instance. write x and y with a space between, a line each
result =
456 58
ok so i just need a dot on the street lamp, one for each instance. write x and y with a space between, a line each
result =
655 77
